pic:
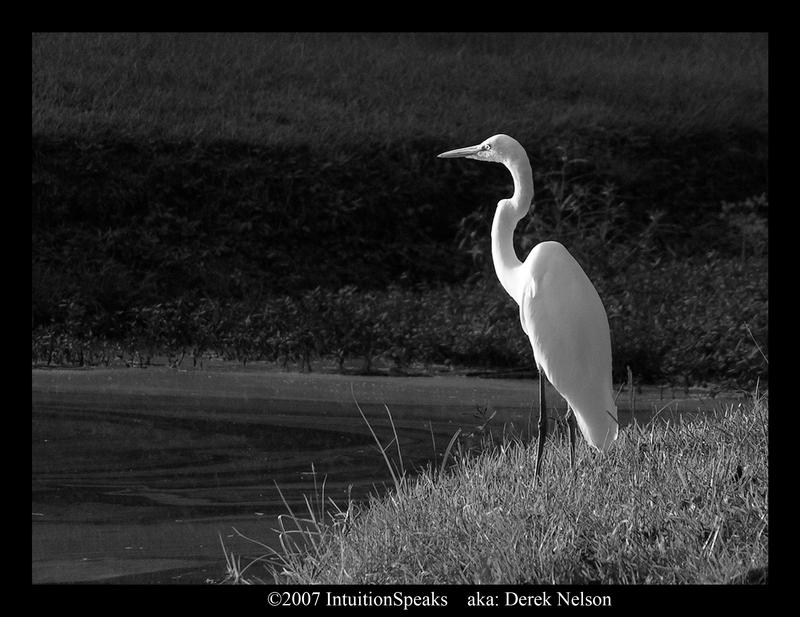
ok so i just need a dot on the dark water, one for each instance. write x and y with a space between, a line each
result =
137 474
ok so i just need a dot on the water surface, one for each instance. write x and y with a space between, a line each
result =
136 473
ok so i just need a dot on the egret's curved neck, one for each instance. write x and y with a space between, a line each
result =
509 212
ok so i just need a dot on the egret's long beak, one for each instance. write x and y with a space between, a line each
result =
460 152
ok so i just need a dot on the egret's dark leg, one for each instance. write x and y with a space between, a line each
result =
571 423
542 422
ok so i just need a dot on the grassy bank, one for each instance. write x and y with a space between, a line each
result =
334 91
677 116
680 502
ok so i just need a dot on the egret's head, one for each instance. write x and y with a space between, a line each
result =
498 149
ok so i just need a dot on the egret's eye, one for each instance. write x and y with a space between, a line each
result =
487 146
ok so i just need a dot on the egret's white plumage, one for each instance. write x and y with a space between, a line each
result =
559 307
567 325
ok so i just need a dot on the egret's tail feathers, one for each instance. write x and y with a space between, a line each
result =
599 429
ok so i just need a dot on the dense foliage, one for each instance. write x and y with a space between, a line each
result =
664 325
156 234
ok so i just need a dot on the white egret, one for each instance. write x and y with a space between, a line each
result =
559 308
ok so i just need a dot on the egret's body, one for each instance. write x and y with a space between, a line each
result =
568 329
559 308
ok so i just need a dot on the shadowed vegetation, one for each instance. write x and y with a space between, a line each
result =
333 91
192 194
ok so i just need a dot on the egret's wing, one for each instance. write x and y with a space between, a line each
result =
567 325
